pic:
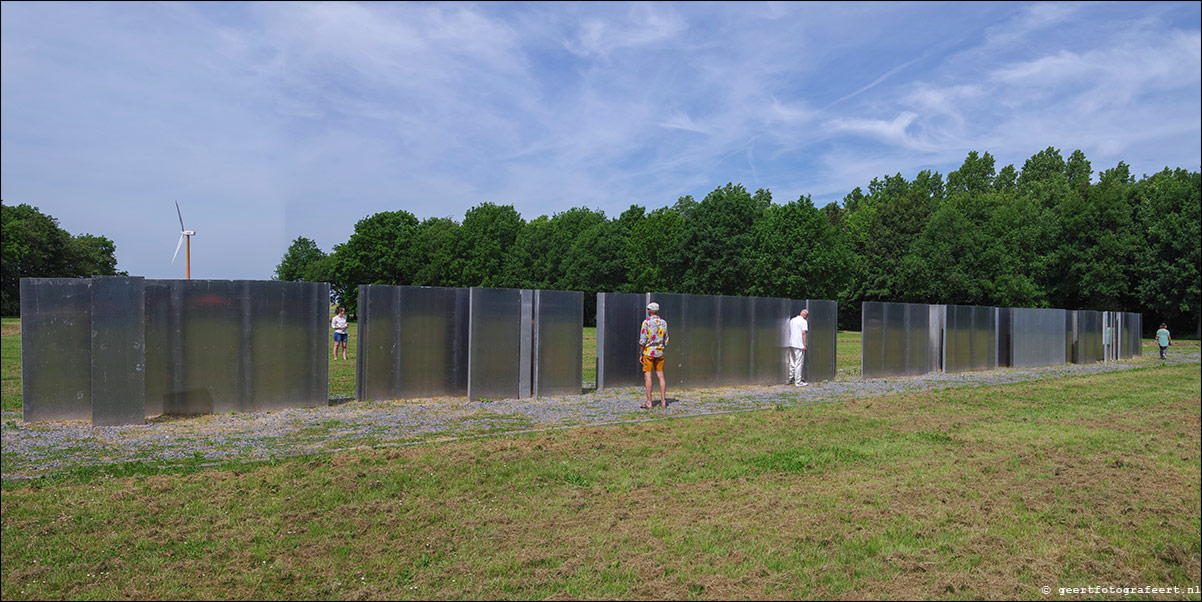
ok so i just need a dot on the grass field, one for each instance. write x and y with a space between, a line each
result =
990 492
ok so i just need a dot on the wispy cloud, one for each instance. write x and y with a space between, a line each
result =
270 121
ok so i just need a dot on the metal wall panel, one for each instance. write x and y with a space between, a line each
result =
917 329
56 349
379 351
235 345
769 336
872 340
1037 337
118 358
970 338
413 342
734 340
558 343
1089 337
936 323
821 362
432 349
896 339
289 345
699 329
1005 318
619 316
494 344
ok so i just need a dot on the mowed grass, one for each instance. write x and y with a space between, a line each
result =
992 492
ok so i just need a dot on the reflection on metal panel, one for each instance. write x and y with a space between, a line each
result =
558 342
917 330
413 342
619 316
1037 337
432 342
734 340
220 345
936 322
970 338
56 349
1005 317
872 339
699 328
118 366
769 334
896 339
377 370
1089 337
494 344
288 345
822 341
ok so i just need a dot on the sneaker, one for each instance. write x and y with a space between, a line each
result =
803 384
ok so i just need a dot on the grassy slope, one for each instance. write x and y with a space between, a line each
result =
990 492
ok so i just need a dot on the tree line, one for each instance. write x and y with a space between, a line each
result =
1047 235
32 245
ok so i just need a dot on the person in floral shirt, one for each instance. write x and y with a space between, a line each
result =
653 336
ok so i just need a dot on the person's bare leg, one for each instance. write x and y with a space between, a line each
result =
647 381
663 389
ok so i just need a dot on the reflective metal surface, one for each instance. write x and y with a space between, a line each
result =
822 341
1037 337
712 340
558 342
896 339
1089 337
769 336
56 349
619 316
413 342
235 345
970 338
734 344
289 344
118 357
495 344
872 339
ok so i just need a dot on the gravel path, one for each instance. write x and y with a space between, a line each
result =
34 449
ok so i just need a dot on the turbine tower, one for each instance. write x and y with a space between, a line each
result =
184 233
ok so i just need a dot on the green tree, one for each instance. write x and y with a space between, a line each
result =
487 234
654 238
32 245
1167 280
433 250
798 253
714 252
296 261
378 252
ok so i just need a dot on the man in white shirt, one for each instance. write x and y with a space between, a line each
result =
799 331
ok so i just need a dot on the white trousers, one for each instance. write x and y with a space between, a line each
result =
797 358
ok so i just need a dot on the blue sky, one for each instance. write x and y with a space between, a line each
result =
272 121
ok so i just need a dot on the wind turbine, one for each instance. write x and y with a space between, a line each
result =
184 233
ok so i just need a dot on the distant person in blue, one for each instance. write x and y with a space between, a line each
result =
339 326
1164 339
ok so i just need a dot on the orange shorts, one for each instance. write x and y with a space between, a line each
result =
653 364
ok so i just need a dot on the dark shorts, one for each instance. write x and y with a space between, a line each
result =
339 337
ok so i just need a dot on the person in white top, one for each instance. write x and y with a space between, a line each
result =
339 326
799 332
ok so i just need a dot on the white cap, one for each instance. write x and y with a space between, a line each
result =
653 307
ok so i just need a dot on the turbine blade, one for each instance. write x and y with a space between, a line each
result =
181 217
177 246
